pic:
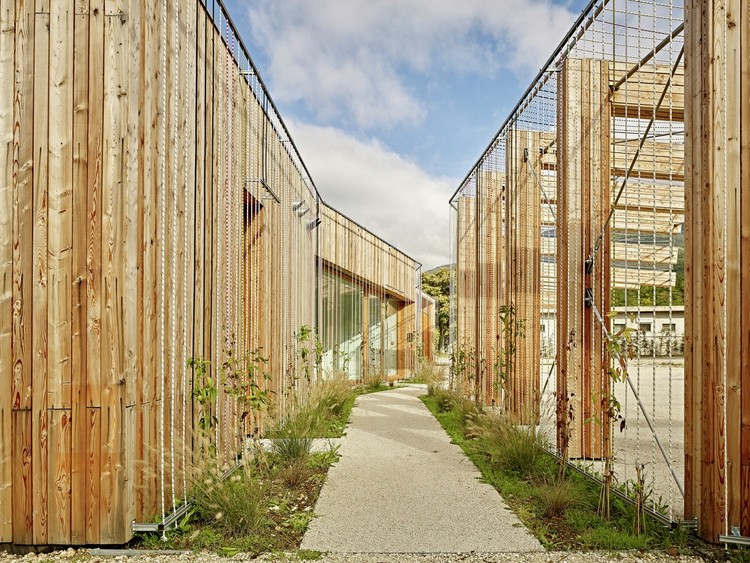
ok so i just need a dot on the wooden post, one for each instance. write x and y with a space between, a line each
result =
465 286
717 280
583 204
478 301
524 218
489 337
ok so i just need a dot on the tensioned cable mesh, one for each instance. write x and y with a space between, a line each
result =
593 167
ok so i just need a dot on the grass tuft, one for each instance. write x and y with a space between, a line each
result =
234 506
266 504
562 513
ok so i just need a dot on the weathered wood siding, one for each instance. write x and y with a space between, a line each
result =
152 210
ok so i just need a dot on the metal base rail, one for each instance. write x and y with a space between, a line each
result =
174 517
735 538
659 517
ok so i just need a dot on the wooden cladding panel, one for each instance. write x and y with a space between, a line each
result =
717 285
583 203
523 220
7 196
359 253
126 248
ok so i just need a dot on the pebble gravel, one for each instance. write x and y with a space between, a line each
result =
95 556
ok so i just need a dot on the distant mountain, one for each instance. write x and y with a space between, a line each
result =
435 270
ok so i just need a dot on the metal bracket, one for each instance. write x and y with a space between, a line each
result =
589 265
588 299
265 186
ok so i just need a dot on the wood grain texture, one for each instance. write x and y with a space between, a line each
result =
743 22
716 285
7 92
94 203
59 481
23 499
113 373
60 231
79 348
23 206
40 272
83 415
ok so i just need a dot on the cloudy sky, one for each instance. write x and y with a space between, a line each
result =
392 101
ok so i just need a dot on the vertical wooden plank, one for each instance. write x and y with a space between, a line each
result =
59 288
94 203
130 211
691 303
145 451
95 153
40 378
60 268
60 440
733 304
23 500
178 75
7 91
523 168
715 244
93 471
711 499
132 258
23 208
114 486
79 276
583 190
744 26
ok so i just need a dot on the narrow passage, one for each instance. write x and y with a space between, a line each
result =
402 487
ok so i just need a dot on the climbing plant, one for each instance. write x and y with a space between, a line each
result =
511 329
205 392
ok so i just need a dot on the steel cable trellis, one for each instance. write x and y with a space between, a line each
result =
637 26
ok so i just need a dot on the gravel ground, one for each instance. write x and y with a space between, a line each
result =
86 556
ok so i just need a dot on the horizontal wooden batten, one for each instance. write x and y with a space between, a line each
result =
638 96
656 160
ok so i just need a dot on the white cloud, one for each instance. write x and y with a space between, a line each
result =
352 59
379 189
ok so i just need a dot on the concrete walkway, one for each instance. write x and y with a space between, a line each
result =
402 487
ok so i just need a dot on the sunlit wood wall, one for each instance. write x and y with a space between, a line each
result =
153 210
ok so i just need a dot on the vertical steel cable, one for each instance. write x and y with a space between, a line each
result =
185 235
162 288
173 227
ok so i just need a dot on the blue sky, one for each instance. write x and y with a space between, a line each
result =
392 101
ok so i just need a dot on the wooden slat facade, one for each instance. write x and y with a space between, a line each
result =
717 280
140 165
350 251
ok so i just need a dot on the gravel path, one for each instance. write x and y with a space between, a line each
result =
402 487
401 493
85 556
